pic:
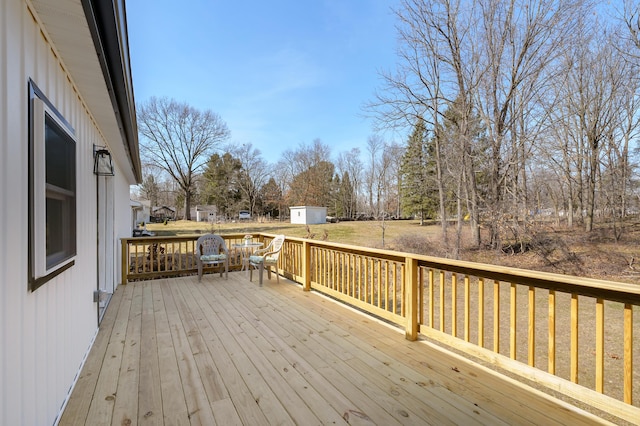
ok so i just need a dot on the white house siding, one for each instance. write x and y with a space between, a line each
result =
44 334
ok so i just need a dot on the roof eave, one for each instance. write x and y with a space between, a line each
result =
108 26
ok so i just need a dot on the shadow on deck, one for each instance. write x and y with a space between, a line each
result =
175 351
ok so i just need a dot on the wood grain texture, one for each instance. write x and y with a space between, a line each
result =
230 352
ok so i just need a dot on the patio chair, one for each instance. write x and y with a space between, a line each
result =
212 250
266 257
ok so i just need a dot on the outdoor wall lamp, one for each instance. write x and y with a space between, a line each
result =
102 163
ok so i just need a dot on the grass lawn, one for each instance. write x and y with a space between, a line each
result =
573 251
362 233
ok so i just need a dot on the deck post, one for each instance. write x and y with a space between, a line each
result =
125 256
411 298
306 266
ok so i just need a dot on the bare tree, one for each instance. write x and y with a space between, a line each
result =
438 68
253 175
631 19
394 153
179 139
311 174
374 174
350 164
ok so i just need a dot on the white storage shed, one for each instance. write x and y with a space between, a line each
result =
308 215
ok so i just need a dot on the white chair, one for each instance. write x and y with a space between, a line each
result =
266 257
212 250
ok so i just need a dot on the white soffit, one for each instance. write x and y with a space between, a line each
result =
66 24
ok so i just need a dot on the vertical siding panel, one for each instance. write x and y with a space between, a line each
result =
29 35
44 334
4 213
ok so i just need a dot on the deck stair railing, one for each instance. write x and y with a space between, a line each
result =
573 335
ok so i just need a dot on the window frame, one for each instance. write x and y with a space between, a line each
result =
43 266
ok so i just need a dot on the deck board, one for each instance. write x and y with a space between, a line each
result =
174 405
228 352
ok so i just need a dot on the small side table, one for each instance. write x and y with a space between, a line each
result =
246 250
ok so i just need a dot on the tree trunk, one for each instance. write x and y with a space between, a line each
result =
187 205
591 188
441 191
458 246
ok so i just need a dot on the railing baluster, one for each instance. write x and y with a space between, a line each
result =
379 281
481 312
386 285
124 265
343 274
496 316
326 276
331 270
322 271
574 338
431 302
420 295
371 279
467 309
552 332
335 271
136 266
454 305
403 289
600 345
532 327
363 276
442 303
628 353
395 289
513 322
354 277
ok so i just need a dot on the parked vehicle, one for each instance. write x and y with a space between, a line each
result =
244 214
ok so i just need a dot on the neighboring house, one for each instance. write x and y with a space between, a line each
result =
65 93
160 214
140 212
308 215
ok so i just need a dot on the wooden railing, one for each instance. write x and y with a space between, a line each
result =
573 335
159 257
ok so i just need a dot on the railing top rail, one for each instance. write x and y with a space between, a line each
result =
187 237
610 290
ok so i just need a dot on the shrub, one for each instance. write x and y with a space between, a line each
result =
412 243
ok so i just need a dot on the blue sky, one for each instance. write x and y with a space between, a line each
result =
280 73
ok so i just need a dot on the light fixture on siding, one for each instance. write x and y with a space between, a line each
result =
102 164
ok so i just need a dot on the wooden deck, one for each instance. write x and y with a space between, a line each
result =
179 352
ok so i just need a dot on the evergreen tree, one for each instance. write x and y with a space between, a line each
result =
272 197
419 192
150 190
220 187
